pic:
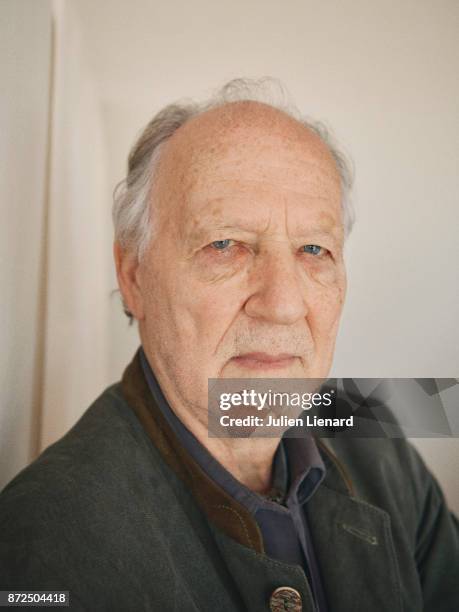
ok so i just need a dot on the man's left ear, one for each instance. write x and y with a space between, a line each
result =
127 268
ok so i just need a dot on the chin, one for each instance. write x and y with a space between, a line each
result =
241 369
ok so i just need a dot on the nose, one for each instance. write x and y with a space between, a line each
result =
277 292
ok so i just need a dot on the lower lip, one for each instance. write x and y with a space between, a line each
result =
259 364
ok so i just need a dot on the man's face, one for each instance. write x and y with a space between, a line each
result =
244 276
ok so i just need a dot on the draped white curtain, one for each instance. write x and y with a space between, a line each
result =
55 233
79 235
25 39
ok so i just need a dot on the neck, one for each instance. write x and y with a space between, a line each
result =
249 460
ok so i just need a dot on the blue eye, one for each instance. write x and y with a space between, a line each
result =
220 245
313 249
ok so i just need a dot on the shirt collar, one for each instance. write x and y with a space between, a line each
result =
298 468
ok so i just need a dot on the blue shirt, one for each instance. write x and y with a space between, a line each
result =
298 470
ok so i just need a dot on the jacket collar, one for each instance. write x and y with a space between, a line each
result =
219 507
233 518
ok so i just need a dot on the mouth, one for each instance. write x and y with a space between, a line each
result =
264 361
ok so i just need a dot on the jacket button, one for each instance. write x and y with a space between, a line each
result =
285 599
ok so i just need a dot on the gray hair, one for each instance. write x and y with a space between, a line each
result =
131 209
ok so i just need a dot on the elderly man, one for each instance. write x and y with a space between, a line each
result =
229 241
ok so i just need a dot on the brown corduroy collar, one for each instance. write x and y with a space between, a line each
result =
220 508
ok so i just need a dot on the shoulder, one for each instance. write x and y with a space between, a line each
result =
79 495
107 439
381 466
392 475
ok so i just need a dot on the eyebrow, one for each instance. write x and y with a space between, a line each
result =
206 226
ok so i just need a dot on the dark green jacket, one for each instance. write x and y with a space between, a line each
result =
117 513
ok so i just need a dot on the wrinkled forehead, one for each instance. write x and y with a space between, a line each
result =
241 146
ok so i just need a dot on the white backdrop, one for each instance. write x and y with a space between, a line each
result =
383 74
55 238
25 49
79 237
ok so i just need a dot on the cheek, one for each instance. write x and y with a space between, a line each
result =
198 313
163 304
212 267
325 309
213 313
326 274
